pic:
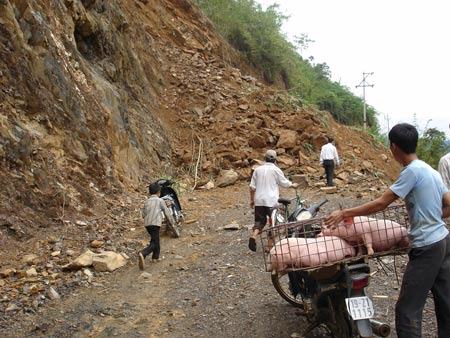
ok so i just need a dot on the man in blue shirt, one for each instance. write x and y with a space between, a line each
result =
428 202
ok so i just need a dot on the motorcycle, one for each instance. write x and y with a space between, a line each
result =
333 296
170 197
297 284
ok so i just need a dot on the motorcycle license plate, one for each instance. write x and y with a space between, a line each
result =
360 307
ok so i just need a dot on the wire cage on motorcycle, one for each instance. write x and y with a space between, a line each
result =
309 244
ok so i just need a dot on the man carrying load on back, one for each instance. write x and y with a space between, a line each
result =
264 193
428 202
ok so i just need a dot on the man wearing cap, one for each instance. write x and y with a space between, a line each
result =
264 192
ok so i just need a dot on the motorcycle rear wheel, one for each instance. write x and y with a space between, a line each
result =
281 283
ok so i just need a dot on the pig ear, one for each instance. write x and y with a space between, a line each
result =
348 221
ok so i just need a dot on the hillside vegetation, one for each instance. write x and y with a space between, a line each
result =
257 34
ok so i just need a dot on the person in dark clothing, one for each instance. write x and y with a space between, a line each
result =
151 212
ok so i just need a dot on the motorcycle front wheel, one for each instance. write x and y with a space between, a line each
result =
175 231
281 283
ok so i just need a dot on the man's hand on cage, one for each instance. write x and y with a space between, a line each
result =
333 219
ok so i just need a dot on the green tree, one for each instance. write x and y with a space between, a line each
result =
432 146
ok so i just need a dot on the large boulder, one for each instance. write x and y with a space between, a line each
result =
318 141
343 176
301 180
287 140
257 141
226 178
108 261
285 161
81 261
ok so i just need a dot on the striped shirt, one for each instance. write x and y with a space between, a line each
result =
152 209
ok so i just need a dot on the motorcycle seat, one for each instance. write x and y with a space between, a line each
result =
284 201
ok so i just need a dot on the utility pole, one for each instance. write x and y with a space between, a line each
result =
364 84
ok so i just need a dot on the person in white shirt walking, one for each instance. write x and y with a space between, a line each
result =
444 169
264 193
329 158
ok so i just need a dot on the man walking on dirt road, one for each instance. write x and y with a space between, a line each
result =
428 202
329 158
264 193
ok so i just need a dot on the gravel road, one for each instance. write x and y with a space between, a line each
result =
208 284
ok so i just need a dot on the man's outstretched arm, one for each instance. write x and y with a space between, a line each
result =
368 208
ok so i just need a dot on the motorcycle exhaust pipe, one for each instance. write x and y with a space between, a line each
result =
379 328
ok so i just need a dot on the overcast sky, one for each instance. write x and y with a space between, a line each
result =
404 42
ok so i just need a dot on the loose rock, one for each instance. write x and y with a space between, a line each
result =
232 226
97 243
227 177
31 272
30 259
55 253
82 261
329 190
146 275
301 180
287 140
108 261
6 272
53 294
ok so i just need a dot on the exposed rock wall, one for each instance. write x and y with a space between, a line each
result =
81 83
99 97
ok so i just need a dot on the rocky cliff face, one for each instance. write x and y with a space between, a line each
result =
81 89
99 97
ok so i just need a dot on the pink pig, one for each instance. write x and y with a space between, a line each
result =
375 235
308 252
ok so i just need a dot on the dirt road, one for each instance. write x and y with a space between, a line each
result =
209 284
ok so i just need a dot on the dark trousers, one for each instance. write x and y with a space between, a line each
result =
329 171
154 247
428 269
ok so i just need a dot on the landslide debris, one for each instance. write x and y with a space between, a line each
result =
98 97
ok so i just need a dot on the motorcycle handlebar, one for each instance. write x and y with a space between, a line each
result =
322 202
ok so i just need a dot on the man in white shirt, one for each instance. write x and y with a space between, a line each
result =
328 159
264 193
444 169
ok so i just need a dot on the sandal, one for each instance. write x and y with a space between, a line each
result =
252 244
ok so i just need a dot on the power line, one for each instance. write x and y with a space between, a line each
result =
365 84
